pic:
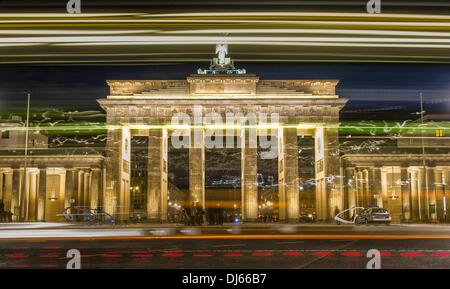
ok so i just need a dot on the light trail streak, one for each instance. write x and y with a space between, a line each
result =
308 31
271 31
214 39
301 14
289 22
66 15
68 233
230 42
71 32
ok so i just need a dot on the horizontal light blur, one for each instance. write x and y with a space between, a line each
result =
253 37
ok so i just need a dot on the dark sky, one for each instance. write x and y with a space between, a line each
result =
389 6
365 85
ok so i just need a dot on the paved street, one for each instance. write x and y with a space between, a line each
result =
232 247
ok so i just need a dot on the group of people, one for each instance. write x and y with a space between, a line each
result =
268 218
194 215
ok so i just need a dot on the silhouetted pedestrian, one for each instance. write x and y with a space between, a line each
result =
186 216
219 215
192 214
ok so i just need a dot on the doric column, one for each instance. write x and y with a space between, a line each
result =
62 192
32 196
2 176
366 187
350 187
376 184
431 202
75 184
384 187
331 166
80 187
69 187
288 183
425 193
86 188
42 194
117 192
439 189
103 187
343 188
421 184
197 167
405 192
356 187
157 182
8 188
16 186
23 194
95 188
320 170
415 202
360 188
249 170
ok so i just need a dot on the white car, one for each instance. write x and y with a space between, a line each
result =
374 215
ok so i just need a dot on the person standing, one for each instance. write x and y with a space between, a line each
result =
192 214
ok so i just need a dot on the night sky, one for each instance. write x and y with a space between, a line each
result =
367 86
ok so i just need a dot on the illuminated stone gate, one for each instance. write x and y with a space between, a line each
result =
146 108
411 184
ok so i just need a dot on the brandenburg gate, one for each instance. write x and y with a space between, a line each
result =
146 108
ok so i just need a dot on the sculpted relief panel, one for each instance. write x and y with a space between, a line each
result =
130 87
322 87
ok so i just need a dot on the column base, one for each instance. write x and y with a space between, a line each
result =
292 221
154 221
250 220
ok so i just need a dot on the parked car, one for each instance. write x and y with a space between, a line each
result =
374 215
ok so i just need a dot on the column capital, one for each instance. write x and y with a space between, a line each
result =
404 165
378 165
